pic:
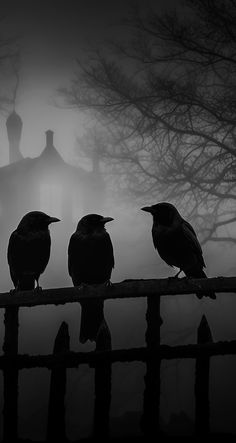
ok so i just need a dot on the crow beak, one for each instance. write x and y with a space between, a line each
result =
147 209
106 219
53 220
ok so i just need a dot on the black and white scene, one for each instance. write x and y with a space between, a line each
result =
117 220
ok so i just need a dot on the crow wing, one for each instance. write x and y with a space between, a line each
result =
191 237
90 258
178 246
28 253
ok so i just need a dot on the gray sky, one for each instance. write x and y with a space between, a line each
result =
52 36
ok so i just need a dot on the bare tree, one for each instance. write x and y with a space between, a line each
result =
9 65
165 98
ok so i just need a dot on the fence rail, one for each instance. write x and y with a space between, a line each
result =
126 289
103 357
74 359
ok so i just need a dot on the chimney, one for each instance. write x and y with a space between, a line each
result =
49 138
14 129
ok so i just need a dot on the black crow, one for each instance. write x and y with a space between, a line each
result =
176 242
29 249
90 261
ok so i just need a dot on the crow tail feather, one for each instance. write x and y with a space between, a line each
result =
199 273
92 317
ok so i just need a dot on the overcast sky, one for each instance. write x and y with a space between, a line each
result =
51 36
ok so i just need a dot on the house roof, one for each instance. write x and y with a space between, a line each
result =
48 161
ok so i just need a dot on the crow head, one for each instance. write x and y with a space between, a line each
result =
163 213
36 221
93 222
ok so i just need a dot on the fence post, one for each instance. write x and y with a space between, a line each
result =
202 409
10 376
103 373
56 405
151 397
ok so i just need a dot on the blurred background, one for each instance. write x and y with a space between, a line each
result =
107 107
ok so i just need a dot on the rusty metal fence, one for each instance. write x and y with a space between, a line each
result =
11 362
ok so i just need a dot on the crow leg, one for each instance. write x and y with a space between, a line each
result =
16 289
38 288
82 286
108 284
175 276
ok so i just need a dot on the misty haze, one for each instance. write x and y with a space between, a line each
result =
107 109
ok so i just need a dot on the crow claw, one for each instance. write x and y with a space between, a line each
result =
38 288
82 286
108 284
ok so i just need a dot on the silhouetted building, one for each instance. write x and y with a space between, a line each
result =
45 182
14 129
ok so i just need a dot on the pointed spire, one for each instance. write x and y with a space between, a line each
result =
14 129
50 152
49 138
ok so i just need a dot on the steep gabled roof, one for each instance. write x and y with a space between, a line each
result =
48 160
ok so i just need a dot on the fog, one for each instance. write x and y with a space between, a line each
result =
49 44
135 257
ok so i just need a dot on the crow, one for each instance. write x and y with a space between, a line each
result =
29 250
90 262
176 242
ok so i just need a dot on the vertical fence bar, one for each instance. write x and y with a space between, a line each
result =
103 374
10 376
56 407
151 397
202 407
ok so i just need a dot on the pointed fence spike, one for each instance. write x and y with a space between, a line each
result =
149 422
202 403
10 375
62 339
103 383
204 334
56 406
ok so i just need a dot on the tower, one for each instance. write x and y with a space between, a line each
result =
14 129
49 138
